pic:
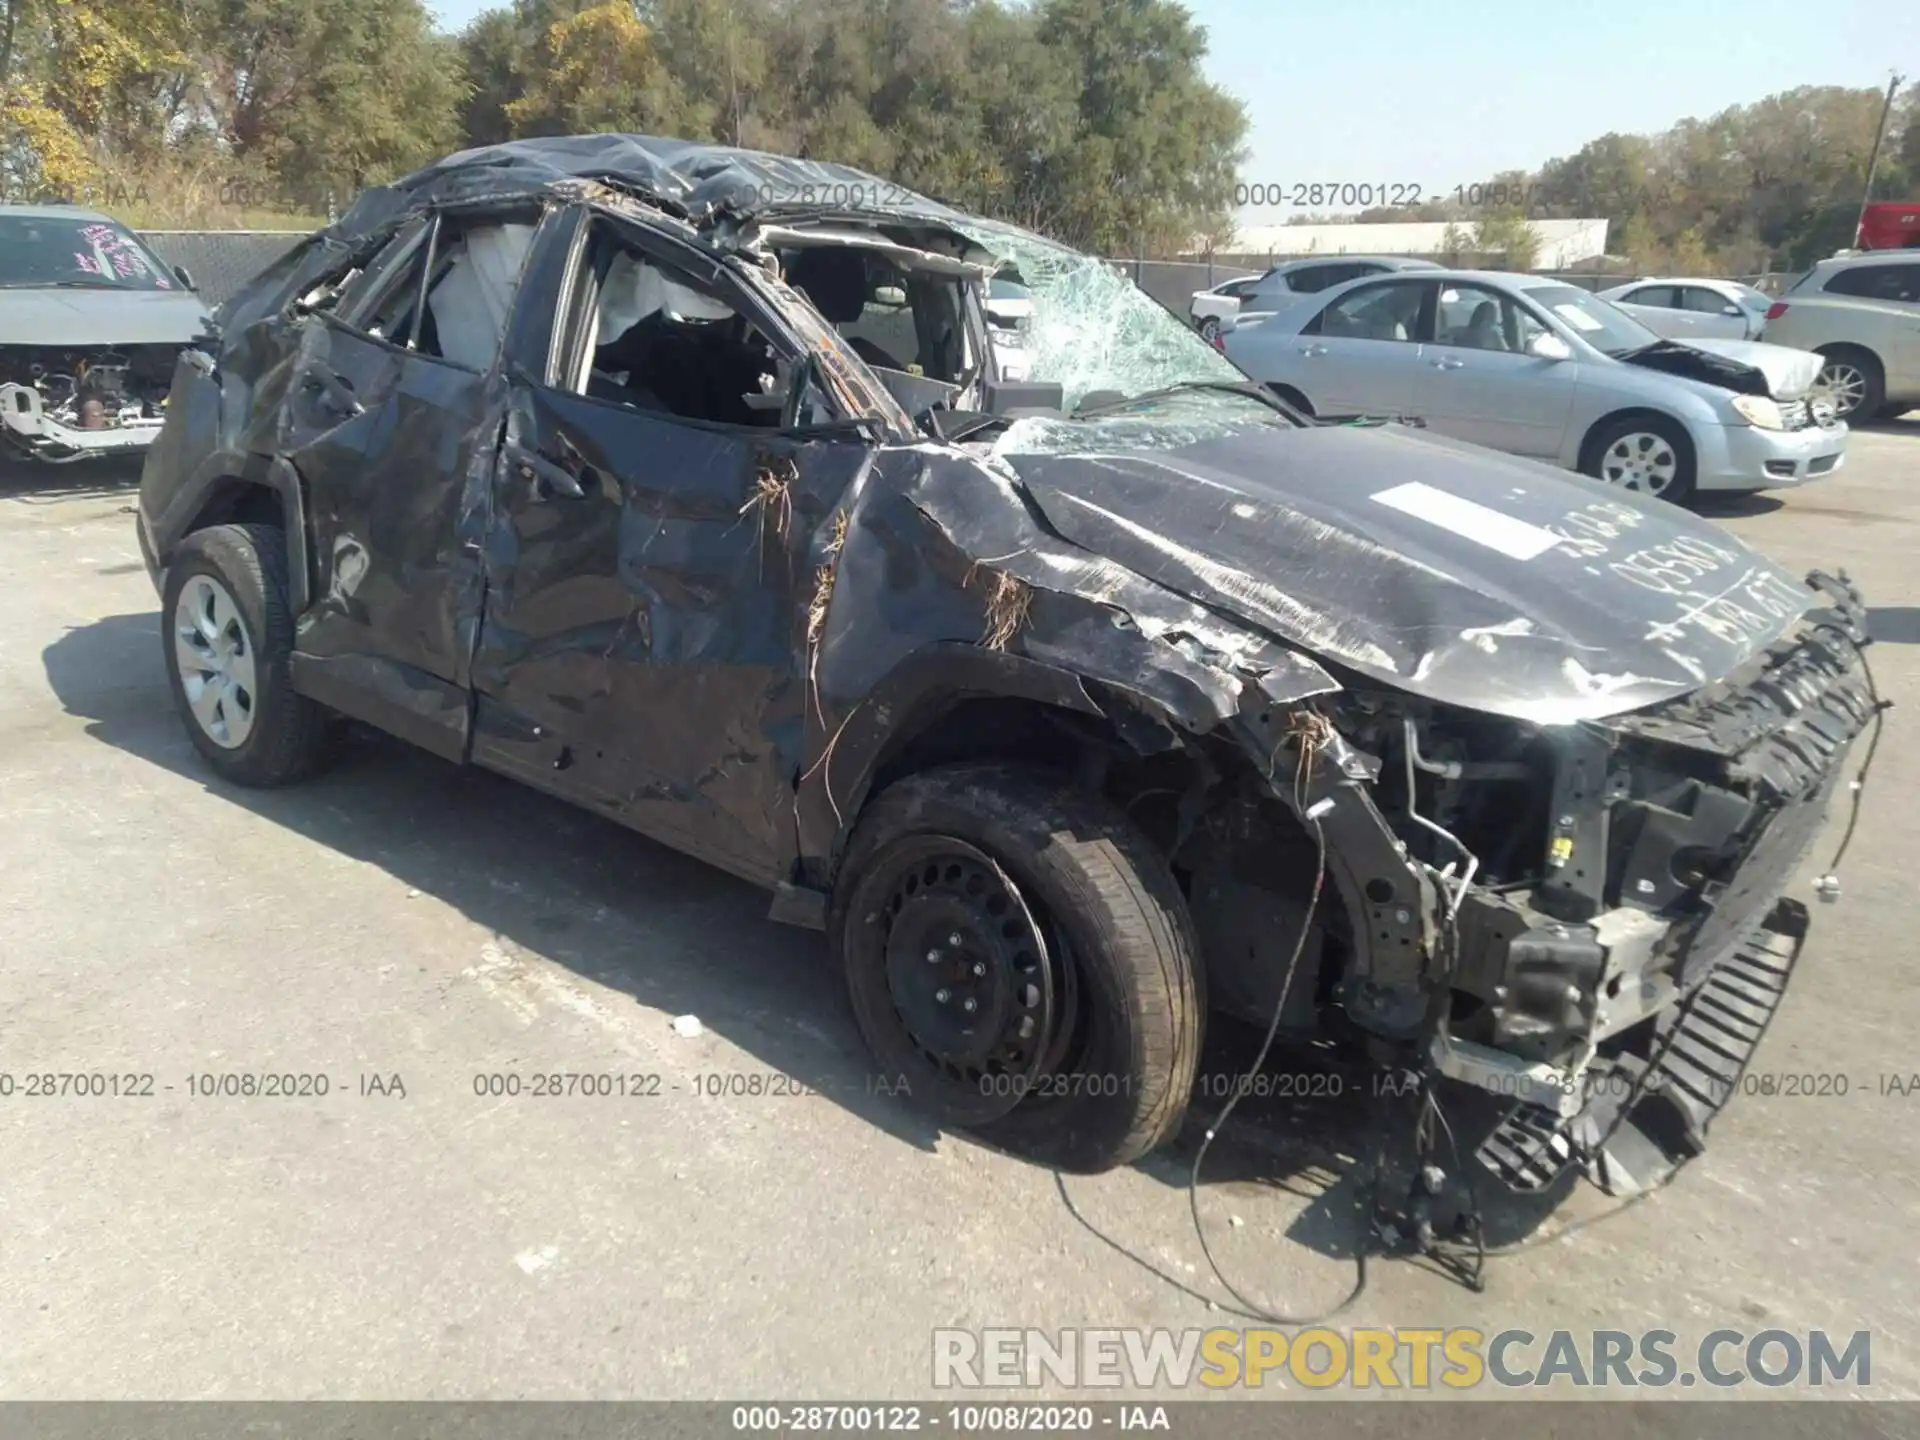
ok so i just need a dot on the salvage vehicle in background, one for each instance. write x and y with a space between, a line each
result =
91 322
1861 315
1285 284
1212 307
1066 707
1532 365
1686 309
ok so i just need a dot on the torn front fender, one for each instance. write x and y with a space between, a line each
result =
919 548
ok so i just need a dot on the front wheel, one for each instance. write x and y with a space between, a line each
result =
1647 453
1019 955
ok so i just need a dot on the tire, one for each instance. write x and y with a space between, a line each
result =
1856 380
1111 1077
1634 450
264 734
1210 328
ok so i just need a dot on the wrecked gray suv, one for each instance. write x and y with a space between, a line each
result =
683 482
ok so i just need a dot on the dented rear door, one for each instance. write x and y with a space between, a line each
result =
383 440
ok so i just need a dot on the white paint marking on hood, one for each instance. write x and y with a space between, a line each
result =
1470 519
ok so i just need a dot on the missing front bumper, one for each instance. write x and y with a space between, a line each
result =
1640 1120
26 423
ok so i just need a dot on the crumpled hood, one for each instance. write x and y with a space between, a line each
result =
101 317
1756 368
1452 572
1790 373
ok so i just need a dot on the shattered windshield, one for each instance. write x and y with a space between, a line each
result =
1092 329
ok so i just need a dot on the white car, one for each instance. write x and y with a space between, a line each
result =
1211 309
1687 309
1217 310
1291 283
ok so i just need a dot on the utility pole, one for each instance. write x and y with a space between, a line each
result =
1873 159
733 78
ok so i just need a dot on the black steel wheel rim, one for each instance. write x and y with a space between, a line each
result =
969 974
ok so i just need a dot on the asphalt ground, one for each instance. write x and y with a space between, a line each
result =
406 929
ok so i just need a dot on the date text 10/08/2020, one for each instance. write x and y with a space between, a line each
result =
1368 194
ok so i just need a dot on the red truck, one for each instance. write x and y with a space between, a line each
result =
1889 226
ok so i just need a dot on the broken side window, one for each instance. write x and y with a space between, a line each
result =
447 293
650 335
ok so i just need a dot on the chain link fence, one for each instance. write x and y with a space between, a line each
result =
221 261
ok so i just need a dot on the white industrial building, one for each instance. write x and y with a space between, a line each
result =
1563 243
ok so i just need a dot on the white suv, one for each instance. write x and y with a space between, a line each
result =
1862 312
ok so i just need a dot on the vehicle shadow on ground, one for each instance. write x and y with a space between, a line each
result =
1736 504
552 880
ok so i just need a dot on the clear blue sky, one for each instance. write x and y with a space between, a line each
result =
1398 92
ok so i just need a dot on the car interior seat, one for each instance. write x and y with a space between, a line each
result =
835 281
1483 328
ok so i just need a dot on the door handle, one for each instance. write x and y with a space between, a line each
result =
335 391
1449 362
1312 350
548 478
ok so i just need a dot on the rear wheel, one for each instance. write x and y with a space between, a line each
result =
1210 328
1647 453
1019 954
227 635
1853 380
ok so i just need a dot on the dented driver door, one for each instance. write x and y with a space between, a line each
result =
648 572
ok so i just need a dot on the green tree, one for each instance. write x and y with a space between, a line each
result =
1507 239
1154 156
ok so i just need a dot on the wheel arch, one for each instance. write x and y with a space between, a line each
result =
1832 348
232 487
950 702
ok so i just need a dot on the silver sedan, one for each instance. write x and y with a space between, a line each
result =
1531 365
1686 309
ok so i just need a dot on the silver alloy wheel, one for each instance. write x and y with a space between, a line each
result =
215 656
1210 328
1844 384
1641 461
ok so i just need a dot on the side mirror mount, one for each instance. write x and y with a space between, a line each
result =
1732 312
185 277
1548 346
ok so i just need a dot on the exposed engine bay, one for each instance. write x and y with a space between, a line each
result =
1583 922
59 404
